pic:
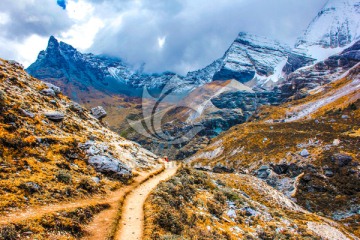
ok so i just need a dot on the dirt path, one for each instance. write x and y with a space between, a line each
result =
100 226
36 211
131 225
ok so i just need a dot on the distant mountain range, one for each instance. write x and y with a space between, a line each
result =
272 71
253 60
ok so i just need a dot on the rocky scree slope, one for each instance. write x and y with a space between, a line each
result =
52 149
313 160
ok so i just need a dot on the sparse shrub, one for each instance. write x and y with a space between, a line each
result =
30 187
215 208
63 165
68 191
220 197
8 232
353 107
264 235
71 221
172 237
170 221
63 176
231 196
88 185
2 96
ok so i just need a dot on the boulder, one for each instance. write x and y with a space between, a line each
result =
341 159
76 107
304 153
48 92
250 211
328 172
27 113
98 112
56 89
93 148
16 64
336 142
263 172
54 116
110 166
96 180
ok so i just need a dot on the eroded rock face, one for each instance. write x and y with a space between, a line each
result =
62 61
248 102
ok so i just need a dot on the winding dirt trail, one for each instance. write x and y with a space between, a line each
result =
100 226
132 221
36 211
131 225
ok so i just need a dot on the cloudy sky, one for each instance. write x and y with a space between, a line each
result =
175 35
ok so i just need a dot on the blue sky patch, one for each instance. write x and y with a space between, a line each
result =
62 3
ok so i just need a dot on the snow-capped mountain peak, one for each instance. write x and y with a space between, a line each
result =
258 61
335 27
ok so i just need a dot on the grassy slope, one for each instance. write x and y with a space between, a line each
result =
264 141
195 205
40 160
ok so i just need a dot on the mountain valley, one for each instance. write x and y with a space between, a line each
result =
263 143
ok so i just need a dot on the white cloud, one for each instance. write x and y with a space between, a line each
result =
25 52
4 18
176 35
79 10
197 31
29 50
82 35
161 41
